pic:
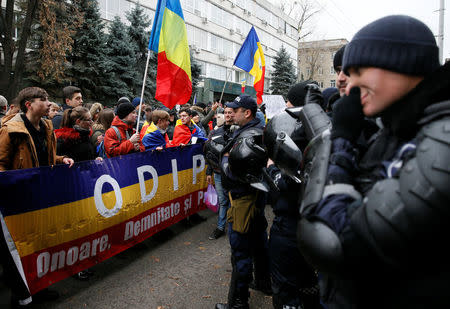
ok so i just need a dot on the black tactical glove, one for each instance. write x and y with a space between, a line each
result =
348 117
313 94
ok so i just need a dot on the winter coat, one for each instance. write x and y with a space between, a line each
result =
17 150
75 144
115 148
412 271
97 130
182 134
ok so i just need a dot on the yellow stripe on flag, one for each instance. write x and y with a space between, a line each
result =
173 40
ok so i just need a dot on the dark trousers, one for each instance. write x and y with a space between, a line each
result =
248 249
289 271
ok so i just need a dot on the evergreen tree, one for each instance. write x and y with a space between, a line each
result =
88 59
284 75
139 37
122 63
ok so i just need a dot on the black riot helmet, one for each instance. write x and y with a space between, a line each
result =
284 137
248 157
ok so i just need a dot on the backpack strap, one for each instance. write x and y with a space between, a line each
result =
119 136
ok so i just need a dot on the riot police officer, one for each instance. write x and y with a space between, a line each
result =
376 232
242 162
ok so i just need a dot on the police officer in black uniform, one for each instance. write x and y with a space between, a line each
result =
378 230
294 282
242 162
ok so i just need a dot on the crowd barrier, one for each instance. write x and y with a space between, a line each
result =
60 220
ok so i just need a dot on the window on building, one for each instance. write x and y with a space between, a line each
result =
228 48
202 65
320 71
332 70
333 83
217 71
321 84
308 72
111 8
215 48
332 55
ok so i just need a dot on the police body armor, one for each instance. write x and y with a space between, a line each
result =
403 219
248 157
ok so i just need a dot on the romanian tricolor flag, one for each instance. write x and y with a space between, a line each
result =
251 59
169 40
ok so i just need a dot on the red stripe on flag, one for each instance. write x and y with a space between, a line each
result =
173 85
259 86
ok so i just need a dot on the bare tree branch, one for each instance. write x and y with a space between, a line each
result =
302 11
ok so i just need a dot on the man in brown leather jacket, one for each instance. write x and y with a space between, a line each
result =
27 140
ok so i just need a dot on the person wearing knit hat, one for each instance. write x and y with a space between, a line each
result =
341 78
386 194
303 93
121 137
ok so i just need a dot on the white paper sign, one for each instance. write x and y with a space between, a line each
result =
275 104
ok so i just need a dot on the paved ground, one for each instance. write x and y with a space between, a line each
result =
183 270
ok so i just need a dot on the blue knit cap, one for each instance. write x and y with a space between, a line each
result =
396 43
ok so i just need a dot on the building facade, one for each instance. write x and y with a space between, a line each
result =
216 30
315 61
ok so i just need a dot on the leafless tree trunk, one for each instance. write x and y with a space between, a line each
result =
13 53
312 61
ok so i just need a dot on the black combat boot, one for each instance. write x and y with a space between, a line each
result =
237 304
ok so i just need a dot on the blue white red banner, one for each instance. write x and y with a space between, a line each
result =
63 220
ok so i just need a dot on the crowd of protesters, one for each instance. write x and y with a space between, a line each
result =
362 234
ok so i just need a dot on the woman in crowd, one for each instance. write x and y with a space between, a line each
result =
103 123
73 136
54 109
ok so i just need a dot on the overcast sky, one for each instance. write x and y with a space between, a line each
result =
343 18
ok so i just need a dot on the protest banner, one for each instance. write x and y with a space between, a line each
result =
63 220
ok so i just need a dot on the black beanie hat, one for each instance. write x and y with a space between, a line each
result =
125 109
337 60
297 93
396 43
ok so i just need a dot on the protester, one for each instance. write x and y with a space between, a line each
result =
121 138
172 123
103 123
241 160
95 110
148 121
382 228
71 98
54 109
3 106
136 101
187 132
27 140
73 138
217 139
156 138
196 119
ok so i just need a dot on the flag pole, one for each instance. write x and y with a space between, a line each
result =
224 84
142 92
